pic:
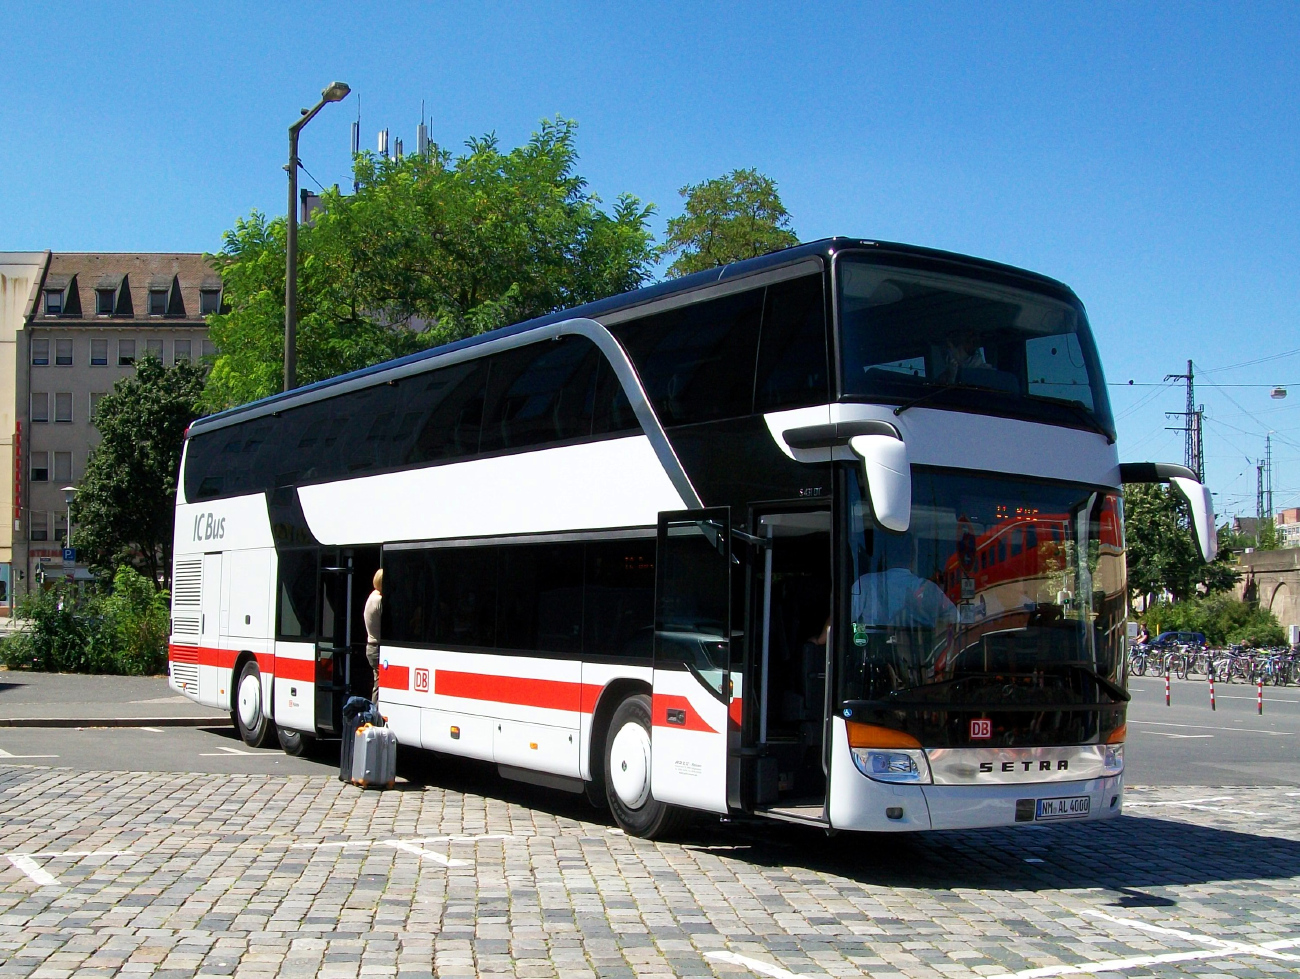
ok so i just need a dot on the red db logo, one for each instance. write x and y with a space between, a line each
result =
422 682
980 728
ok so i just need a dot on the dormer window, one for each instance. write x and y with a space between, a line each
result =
209 302
165 296
112 296
157 302
53 302
104 299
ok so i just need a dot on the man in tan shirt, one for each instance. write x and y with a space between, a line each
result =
372 615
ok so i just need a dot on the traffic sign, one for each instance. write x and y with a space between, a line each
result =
69 555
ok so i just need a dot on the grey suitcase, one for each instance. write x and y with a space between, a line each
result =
374 757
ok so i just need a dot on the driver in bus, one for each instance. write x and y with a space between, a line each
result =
962 351
919 619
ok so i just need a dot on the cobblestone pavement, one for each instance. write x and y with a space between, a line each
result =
299 875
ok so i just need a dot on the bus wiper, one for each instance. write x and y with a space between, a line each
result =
1081 412
1105 682
926 397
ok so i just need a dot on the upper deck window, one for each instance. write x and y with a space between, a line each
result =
960 342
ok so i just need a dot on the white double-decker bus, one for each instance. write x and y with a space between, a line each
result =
832 536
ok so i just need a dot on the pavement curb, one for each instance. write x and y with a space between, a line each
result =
221 720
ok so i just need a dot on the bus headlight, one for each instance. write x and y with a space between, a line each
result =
893 764
1112 762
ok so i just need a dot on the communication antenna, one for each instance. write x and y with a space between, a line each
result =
356 145
382 146
397 148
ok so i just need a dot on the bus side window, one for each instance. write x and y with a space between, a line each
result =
451 430
540 393
619 602
612 411
697 363
792 346
297 611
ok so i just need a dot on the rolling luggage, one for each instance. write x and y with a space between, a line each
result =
357 712
374 757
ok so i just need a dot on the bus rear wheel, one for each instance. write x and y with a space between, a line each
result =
254 727
627 774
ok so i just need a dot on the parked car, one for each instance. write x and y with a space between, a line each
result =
1179 638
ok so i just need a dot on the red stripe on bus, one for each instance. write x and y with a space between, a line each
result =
303 670
522 691
183 654
394 677
661 704
734 710
221 658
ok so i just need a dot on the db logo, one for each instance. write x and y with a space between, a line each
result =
422 682
980 728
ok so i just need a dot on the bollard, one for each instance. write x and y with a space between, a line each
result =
1166 688
1259 697
1212 707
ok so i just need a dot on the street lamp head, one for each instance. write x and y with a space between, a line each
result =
337 92
1278 393
69 492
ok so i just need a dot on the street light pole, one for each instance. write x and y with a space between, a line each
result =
336 92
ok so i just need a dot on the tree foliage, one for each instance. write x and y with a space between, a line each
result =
123 513
429 249
69 630
1162 556
727 219
1222 618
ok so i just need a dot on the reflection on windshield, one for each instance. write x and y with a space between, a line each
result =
1003 592
908 334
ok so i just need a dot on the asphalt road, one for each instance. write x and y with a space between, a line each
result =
1184 744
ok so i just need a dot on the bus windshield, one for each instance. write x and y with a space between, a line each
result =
1004 599
955 342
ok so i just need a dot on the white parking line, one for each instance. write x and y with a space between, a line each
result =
1218 727
5 754
1219 949
221 752
1199 804
414 846
762 968
153 730
43 878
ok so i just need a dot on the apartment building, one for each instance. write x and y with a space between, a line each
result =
1288 527
86 319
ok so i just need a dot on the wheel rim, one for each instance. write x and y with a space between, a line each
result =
629 765
250 701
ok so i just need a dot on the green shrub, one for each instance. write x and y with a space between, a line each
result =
1223 618
67 630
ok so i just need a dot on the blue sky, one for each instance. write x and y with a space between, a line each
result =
1145 154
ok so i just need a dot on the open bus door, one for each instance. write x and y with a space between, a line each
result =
692 659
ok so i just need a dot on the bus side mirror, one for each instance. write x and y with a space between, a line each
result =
1201 504
1191 489
889 478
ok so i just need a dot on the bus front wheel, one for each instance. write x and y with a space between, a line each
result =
627 773
254 727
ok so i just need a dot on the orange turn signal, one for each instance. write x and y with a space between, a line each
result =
875 736
1119 735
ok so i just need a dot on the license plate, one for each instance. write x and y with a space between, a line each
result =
1071 807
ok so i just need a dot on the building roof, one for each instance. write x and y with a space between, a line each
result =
131 275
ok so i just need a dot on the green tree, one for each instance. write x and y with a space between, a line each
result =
429 249
124 510
1161 553
1221 618
1267 539
727 219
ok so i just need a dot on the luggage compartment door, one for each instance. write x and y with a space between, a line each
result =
692 659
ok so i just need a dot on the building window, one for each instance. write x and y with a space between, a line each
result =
40 353
125 353
40 467
53 302
63 406
40 525
209 302
209 350
157 302
95 398
40 406
63 467
60 526
104 299
98 353
154 348
181 352
63 353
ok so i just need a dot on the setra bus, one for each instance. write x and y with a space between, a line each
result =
832 536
